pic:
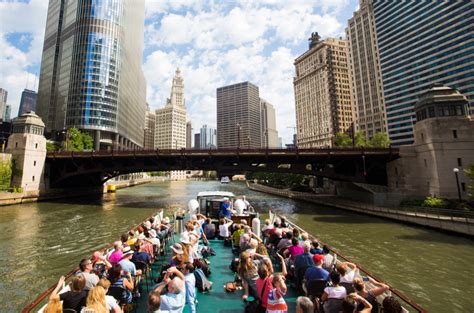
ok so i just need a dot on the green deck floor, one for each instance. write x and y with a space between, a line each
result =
217 299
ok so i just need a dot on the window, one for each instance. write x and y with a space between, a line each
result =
16 144
33 179
459 162
36 146
455 134
34 163
426 163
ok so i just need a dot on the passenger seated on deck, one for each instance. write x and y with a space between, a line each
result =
285 242
347 270
126 263
111 303
293 250
267 226
275 238
265 277
174 299
178 257
304 305
317 271
262 250
74 299
328 263
120 279
139 255
100 265
303 260
154 302
304 238
239 230
370 294
209 229
315 249
53 306
224 225
391 305
95 301
354 303
86 268
334 292
283 223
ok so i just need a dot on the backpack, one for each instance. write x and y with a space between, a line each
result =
201 264
202 283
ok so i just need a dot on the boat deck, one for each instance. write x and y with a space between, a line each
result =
217 299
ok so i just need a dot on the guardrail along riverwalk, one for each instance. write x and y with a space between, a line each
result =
460 222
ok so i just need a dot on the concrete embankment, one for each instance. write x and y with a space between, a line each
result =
10 198
462 224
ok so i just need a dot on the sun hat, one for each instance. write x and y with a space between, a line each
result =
147 224
177 248
184 238
166 220
127 251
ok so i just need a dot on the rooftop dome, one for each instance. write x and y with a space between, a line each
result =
441 101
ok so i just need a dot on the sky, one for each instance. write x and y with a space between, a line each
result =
214 43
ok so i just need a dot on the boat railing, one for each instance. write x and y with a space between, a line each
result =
413 306
42 298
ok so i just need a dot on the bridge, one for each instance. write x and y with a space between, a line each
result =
82 169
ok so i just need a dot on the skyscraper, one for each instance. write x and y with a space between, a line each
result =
149 134
422 43
197 141
208 137
91 76
3 102
367 91
170 129
322 92
189 135
7 114
27 102
268 123
238 116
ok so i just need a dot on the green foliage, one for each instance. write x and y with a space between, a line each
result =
469 171
77 140
52 146
380 140
280 180
342 140
360 140
411 202
6 172
433 202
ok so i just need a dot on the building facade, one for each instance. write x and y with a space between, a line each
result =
443 147
367 90
3 102
149 133
208 137
7 113
268 123
322 87
27 102
238 116
91 76
170 128
197 141
422 43
189 135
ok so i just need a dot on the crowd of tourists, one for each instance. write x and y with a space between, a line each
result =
109 283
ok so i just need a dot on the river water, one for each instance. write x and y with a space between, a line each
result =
41 241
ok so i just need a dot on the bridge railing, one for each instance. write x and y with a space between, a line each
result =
183 151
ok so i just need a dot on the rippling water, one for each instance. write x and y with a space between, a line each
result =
41 241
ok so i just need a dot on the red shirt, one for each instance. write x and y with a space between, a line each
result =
268 288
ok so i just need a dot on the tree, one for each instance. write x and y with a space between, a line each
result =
342 140
380 140
52 146
5 174
77 140
470 187
359 139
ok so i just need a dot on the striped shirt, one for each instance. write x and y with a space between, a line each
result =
276 303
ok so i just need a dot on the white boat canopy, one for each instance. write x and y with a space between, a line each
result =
216 194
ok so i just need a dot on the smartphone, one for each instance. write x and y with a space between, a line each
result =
365 278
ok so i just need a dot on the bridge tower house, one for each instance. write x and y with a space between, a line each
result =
27 145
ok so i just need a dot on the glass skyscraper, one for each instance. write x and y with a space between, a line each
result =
422 43
91 76
27 102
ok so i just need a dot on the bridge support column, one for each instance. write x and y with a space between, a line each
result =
116 145
97 140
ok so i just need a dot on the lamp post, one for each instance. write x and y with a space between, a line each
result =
456 171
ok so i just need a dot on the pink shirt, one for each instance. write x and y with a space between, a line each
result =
115 257
294 251
268 288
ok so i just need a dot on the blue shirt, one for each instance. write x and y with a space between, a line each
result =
316 273
173 302
128 266
304 259
225 211
190 284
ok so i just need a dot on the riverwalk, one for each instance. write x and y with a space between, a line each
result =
441 219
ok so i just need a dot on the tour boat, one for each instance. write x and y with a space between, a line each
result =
225 180
217 299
